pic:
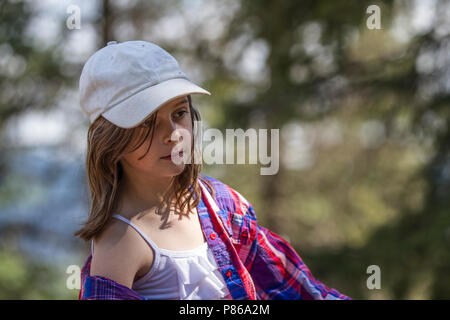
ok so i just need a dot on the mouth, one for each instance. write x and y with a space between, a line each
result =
169 157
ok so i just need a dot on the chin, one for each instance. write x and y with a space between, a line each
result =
173 170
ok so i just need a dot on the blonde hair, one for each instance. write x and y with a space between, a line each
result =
106 143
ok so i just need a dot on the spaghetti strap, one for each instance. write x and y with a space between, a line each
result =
148 240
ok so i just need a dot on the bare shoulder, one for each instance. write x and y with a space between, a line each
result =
120 253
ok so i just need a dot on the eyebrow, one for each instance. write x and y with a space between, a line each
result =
181 102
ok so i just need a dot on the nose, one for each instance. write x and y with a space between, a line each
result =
171 132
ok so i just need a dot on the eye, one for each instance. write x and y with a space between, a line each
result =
181 113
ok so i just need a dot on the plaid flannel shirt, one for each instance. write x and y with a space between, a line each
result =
255 262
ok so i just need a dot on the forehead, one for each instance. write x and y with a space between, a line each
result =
175 103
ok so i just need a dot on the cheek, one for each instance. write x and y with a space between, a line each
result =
140 158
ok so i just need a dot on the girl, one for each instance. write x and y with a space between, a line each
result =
158 228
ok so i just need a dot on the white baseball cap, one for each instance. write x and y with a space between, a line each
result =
125 82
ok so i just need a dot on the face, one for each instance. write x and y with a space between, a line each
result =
171 118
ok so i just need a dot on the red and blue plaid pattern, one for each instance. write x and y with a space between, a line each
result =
255 262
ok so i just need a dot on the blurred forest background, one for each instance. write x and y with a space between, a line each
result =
363 115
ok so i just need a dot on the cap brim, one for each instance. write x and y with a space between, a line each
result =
132 111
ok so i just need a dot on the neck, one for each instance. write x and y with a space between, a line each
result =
140 192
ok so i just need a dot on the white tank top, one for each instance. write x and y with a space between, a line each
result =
180 275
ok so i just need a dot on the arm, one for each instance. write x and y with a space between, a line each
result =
102 288
279 273
110 273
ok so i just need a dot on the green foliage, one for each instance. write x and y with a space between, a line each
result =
374 190
363 200
30 76
24 279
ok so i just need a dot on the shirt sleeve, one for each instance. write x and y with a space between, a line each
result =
278 272
101 288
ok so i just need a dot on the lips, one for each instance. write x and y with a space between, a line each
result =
170 156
